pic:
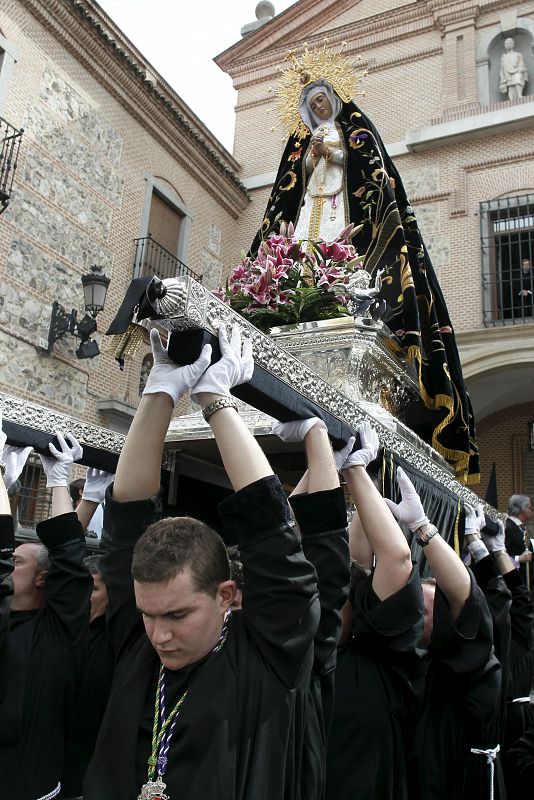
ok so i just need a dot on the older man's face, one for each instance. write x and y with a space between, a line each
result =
526 513
26 575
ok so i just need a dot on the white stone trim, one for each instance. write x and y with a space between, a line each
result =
259 181
510 117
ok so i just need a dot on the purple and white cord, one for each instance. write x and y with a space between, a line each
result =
167 738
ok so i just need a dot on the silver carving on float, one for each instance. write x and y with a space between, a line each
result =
351 365
35 416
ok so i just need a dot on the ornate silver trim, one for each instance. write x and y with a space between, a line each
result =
23 412
193 306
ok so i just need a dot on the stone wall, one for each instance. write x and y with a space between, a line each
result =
80 196
46 381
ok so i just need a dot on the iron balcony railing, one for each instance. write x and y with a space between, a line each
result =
507 239
10 139
153 259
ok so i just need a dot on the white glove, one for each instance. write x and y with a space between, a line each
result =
369 445
294 431
57 468
495 544
340 456
167 377
474 519
410 509
14 459
235 366
96 483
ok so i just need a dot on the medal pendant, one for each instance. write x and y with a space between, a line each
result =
153 790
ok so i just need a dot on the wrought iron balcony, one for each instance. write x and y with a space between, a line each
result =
153 259
10 139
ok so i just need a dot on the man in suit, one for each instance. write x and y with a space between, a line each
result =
518 543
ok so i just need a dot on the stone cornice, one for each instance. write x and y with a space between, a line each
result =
499 336
371 65
302 17
253 64
451 16
99 45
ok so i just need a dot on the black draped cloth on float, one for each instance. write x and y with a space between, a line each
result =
390 240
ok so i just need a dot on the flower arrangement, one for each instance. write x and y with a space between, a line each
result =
292 280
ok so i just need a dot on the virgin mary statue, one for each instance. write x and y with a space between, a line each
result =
334 171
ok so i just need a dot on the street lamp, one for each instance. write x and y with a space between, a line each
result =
95 286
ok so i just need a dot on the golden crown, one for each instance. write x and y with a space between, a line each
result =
313 65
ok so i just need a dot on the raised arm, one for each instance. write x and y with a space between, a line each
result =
132 502
386 540
318 506
68 586
243 458
94 491
448 570
280 602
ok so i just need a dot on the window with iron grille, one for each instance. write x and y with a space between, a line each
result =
33 501
507 237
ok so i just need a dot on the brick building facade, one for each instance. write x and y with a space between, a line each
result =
111 153
465 153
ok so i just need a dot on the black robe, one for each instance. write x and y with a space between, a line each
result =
521 763
322 520
98 663
41 668
375 693
390 240
519 715
241 730
462 687
7 545
499 599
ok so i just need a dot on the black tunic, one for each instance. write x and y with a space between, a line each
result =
41 667
499 600
7 545
322 520
519 715
462 685
374 695
98 663
520 760
241 729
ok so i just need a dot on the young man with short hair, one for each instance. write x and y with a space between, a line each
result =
205 703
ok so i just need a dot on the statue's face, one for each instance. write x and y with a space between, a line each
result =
321 106
509 44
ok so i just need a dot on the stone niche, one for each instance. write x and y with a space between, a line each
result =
488 59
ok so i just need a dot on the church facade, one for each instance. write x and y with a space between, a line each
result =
464 149
115 170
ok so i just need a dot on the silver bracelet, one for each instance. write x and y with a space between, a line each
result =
222 402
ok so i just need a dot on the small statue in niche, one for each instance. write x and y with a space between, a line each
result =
514 74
